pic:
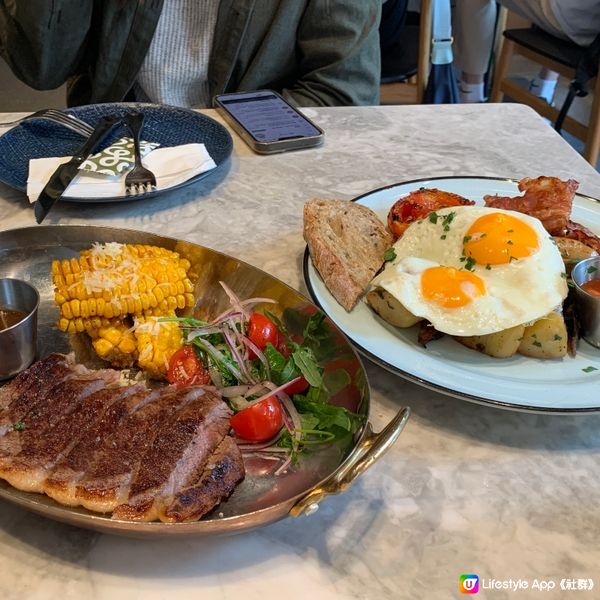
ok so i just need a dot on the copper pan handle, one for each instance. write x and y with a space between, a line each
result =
372 446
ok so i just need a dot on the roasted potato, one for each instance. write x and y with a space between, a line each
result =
390 309
501 344
573 251
545 338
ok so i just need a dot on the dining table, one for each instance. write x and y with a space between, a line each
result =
468 489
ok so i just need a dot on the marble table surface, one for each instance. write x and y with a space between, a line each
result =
467 489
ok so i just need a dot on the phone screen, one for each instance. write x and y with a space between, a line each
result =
267 117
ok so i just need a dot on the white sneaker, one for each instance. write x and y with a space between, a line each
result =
543 88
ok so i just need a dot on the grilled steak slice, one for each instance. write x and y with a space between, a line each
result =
29 388
106 483
42 446
61 483
224 470
57 401
184 443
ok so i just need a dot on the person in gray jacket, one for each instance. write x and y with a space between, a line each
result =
314 52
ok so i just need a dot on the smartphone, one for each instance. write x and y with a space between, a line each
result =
267 123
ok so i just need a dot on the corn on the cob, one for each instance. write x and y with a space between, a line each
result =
116 343
156 343
116 280
116 293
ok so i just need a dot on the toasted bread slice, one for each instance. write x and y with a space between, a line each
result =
347 243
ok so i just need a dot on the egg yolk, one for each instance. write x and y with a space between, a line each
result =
450 287
498 239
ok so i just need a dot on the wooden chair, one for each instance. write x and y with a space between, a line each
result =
412 89
560 56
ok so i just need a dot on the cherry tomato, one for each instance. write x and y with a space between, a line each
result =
259 422
261 331
185 368
297 387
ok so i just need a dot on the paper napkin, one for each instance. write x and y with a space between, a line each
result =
117 158
171 166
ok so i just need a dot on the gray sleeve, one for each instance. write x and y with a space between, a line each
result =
339 47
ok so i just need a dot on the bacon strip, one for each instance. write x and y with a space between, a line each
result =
547 198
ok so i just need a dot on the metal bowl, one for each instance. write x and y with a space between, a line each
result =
18 342
261 498
588 305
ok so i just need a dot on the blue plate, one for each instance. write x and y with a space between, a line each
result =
168 125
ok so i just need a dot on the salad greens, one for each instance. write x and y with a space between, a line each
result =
246 374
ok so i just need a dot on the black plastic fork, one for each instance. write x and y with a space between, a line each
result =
139 180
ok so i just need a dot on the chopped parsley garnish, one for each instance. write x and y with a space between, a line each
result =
488 267
538 344
511 258
390 254
557 337
19 426
433 217
509 242
466 239
509 230
470 263
589 369
563 275
443 237
591 269
447 220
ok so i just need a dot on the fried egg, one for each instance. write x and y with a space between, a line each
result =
475 270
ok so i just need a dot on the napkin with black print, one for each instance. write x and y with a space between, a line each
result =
171 166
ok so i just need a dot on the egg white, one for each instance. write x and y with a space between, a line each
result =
517 292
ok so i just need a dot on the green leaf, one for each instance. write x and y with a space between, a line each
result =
276 362
307 363
334 419
390 254
589 369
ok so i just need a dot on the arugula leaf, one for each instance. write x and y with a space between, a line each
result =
307 364
327 417
315 332
276 361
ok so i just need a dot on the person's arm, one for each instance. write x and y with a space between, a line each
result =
44 41
338 41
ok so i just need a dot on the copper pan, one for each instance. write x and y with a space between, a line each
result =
261 498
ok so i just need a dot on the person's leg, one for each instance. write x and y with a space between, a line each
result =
473 26
544 85
540 13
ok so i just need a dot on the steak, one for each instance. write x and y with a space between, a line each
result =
184 443
28 388
142 454
61 483
216 482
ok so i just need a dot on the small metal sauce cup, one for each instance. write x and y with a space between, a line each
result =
18 343
588 305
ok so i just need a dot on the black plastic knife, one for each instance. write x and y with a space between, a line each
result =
63 176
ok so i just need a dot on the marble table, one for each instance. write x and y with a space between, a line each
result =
466 489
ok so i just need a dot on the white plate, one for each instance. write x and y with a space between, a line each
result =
519 382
